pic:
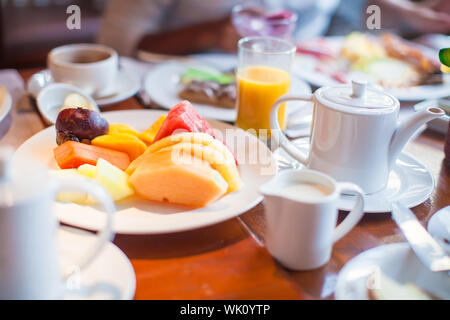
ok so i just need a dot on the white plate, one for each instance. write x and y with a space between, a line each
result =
398 262
127 84
439 227
410 182
138 216
304 67
5 107
220 61
109 276
162 84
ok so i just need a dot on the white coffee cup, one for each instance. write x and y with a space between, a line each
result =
91 67
29 262
301 229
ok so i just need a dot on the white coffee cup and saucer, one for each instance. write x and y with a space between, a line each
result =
93 68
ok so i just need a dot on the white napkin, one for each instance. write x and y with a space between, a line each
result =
14 83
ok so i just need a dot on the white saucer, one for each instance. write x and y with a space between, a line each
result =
410 182
109 277
127 84
396 261
439 227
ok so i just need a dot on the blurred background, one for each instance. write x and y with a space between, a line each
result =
30 28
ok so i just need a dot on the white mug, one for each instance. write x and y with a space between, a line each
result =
29 264
91 67
355 133
301 232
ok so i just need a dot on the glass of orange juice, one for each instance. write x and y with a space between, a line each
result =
263 75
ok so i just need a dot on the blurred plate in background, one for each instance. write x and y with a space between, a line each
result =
162 84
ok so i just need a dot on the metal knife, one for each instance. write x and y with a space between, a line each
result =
426 248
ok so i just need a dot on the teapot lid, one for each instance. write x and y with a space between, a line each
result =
19 180
359 97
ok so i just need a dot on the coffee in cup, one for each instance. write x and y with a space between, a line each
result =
91 67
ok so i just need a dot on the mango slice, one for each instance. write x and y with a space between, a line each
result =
125 142
116 128
149 135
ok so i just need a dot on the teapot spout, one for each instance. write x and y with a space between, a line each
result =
407 128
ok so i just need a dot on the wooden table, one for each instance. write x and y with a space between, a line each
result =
225 261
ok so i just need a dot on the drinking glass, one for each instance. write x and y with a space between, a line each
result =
255 20
263 75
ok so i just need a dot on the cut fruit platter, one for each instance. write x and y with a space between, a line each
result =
167 172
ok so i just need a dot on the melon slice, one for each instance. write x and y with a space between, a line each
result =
185 180
184 118
226 167
194 137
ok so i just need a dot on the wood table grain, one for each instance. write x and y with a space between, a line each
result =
226 260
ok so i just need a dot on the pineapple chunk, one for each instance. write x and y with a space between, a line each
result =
87 170
69 196
113 179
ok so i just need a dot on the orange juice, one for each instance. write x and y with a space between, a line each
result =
258 88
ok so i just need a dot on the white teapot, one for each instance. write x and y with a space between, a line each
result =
355 133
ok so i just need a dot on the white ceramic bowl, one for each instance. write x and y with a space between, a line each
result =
51 98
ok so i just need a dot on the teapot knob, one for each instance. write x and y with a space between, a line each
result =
6 154
358 88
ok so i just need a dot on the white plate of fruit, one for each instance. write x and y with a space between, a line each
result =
214 177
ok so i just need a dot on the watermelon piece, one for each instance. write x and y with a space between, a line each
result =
184 118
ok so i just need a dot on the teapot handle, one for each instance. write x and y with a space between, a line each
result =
278 134
103 236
